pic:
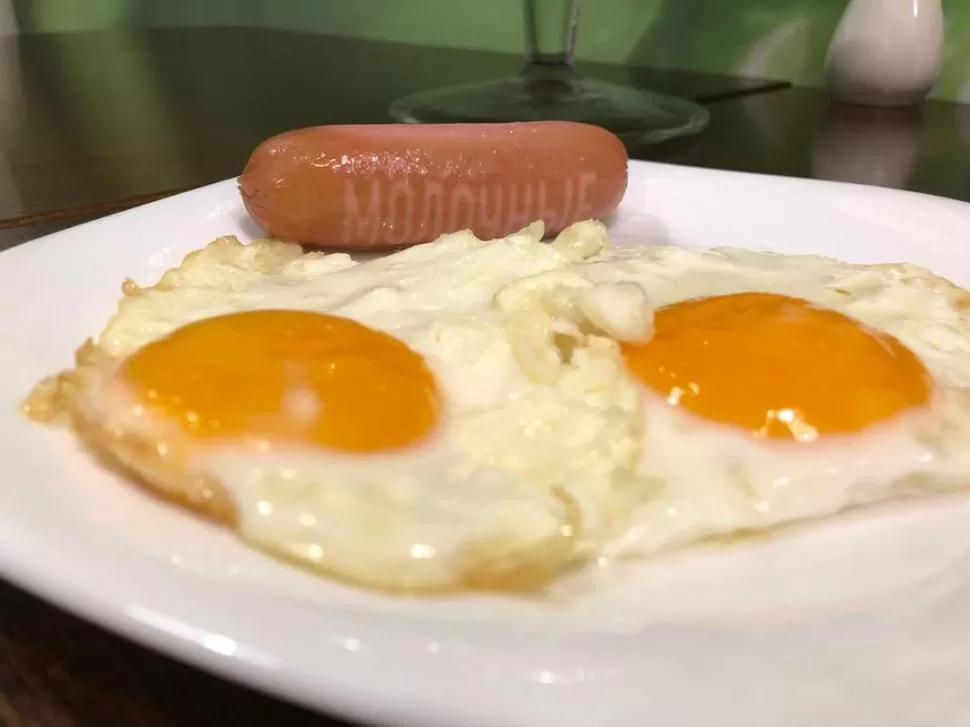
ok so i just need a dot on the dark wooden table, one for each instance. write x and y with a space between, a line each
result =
92 123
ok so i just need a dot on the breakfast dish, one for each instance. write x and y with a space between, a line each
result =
859 618
471 414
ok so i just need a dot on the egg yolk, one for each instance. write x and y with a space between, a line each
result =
777 366
280 376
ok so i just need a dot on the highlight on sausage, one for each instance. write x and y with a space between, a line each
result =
384 186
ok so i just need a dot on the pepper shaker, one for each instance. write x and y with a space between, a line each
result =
886 52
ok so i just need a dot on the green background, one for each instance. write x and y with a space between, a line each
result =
760 38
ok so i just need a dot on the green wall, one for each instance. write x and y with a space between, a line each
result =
764 38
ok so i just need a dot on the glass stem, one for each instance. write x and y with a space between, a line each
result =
550 38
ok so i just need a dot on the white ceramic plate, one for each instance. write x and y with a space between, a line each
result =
865 621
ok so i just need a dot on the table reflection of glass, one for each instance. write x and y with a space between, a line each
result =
548 87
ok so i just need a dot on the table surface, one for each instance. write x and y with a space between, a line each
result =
92 123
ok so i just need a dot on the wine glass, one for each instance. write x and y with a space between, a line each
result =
548 87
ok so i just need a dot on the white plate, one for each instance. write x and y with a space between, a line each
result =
865 621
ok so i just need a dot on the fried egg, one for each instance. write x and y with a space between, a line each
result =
778 389
380 422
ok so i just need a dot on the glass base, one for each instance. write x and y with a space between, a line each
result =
635 115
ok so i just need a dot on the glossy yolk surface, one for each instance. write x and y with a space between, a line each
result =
777 366
280 376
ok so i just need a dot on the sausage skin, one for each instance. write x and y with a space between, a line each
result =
386 186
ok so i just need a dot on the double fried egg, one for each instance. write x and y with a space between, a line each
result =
490 414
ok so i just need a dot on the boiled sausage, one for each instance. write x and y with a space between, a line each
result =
381 186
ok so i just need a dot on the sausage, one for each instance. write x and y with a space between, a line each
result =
386 186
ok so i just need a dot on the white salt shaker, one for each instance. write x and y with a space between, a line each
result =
886 52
